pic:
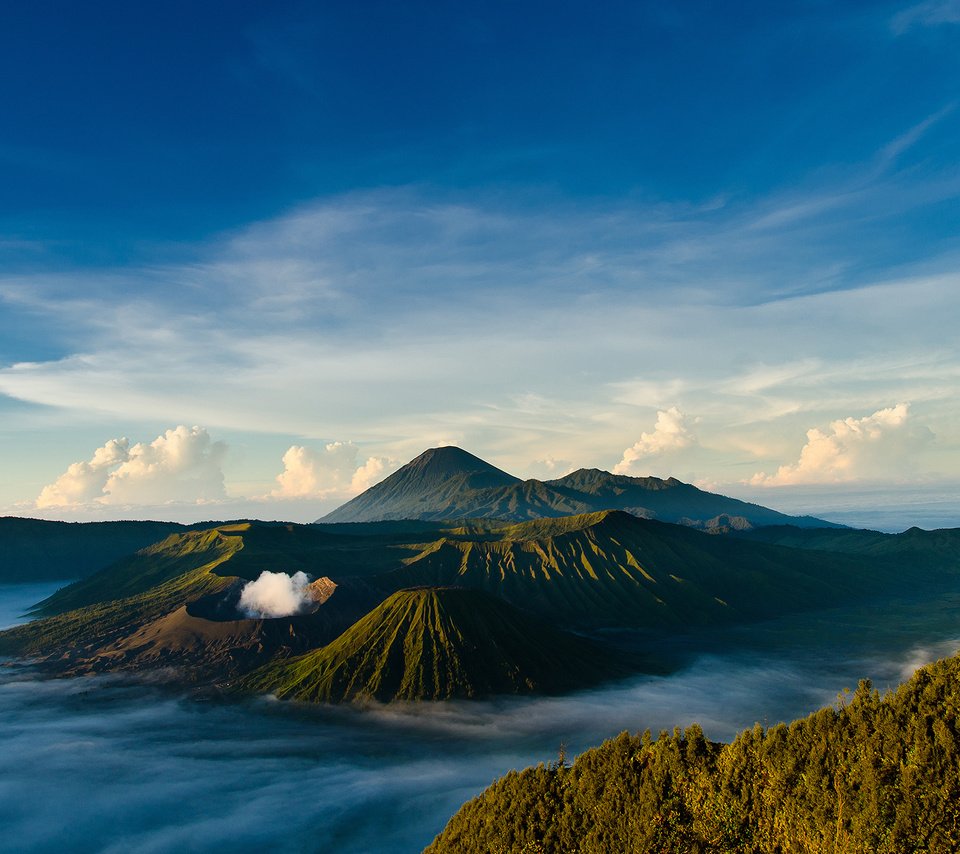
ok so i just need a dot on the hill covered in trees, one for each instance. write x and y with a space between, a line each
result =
872 775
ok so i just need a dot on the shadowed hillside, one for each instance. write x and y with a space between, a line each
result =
940 547
38 550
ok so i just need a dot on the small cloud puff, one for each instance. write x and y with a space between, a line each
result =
333 472
181 465
852 448
549 468
670 434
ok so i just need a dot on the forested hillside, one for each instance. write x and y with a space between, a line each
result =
871 775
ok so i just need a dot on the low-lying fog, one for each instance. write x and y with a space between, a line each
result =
103 764
16 598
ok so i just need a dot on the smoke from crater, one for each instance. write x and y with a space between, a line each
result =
276 594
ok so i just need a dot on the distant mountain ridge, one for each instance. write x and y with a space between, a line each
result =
42 550
450 483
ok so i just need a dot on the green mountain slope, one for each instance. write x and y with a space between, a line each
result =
433 644
433 480
614 569
173 556
74 635
602 570
241 550
670 500
38 550
449 483
85 619
608 569
873 776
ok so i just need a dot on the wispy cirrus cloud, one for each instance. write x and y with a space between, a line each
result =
930 13
400 317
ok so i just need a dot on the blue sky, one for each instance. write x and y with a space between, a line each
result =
254 257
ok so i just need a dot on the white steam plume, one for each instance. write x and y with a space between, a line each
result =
276 594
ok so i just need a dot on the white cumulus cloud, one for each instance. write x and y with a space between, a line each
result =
181 465
275 594
84 482
851 449
334 471
670 434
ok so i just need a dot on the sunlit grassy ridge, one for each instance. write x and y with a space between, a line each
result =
91 628
240 550
433 644
871 776
163 561
599 570
91 614
613 569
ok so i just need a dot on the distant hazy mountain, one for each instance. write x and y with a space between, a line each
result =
39 550
437 643
449 483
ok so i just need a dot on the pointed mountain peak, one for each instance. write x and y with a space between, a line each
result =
432 643
427 484
450 461
449 483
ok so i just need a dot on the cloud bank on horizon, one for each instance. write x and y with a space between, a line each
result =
682 268
181 465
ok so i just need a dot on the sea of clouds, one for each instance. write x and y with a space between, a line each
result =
109 765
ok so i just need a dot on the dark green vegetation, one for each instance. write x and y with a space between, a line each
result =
593 571
449 483
871 775
38 550
437 643
941 547
613 569
175 603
